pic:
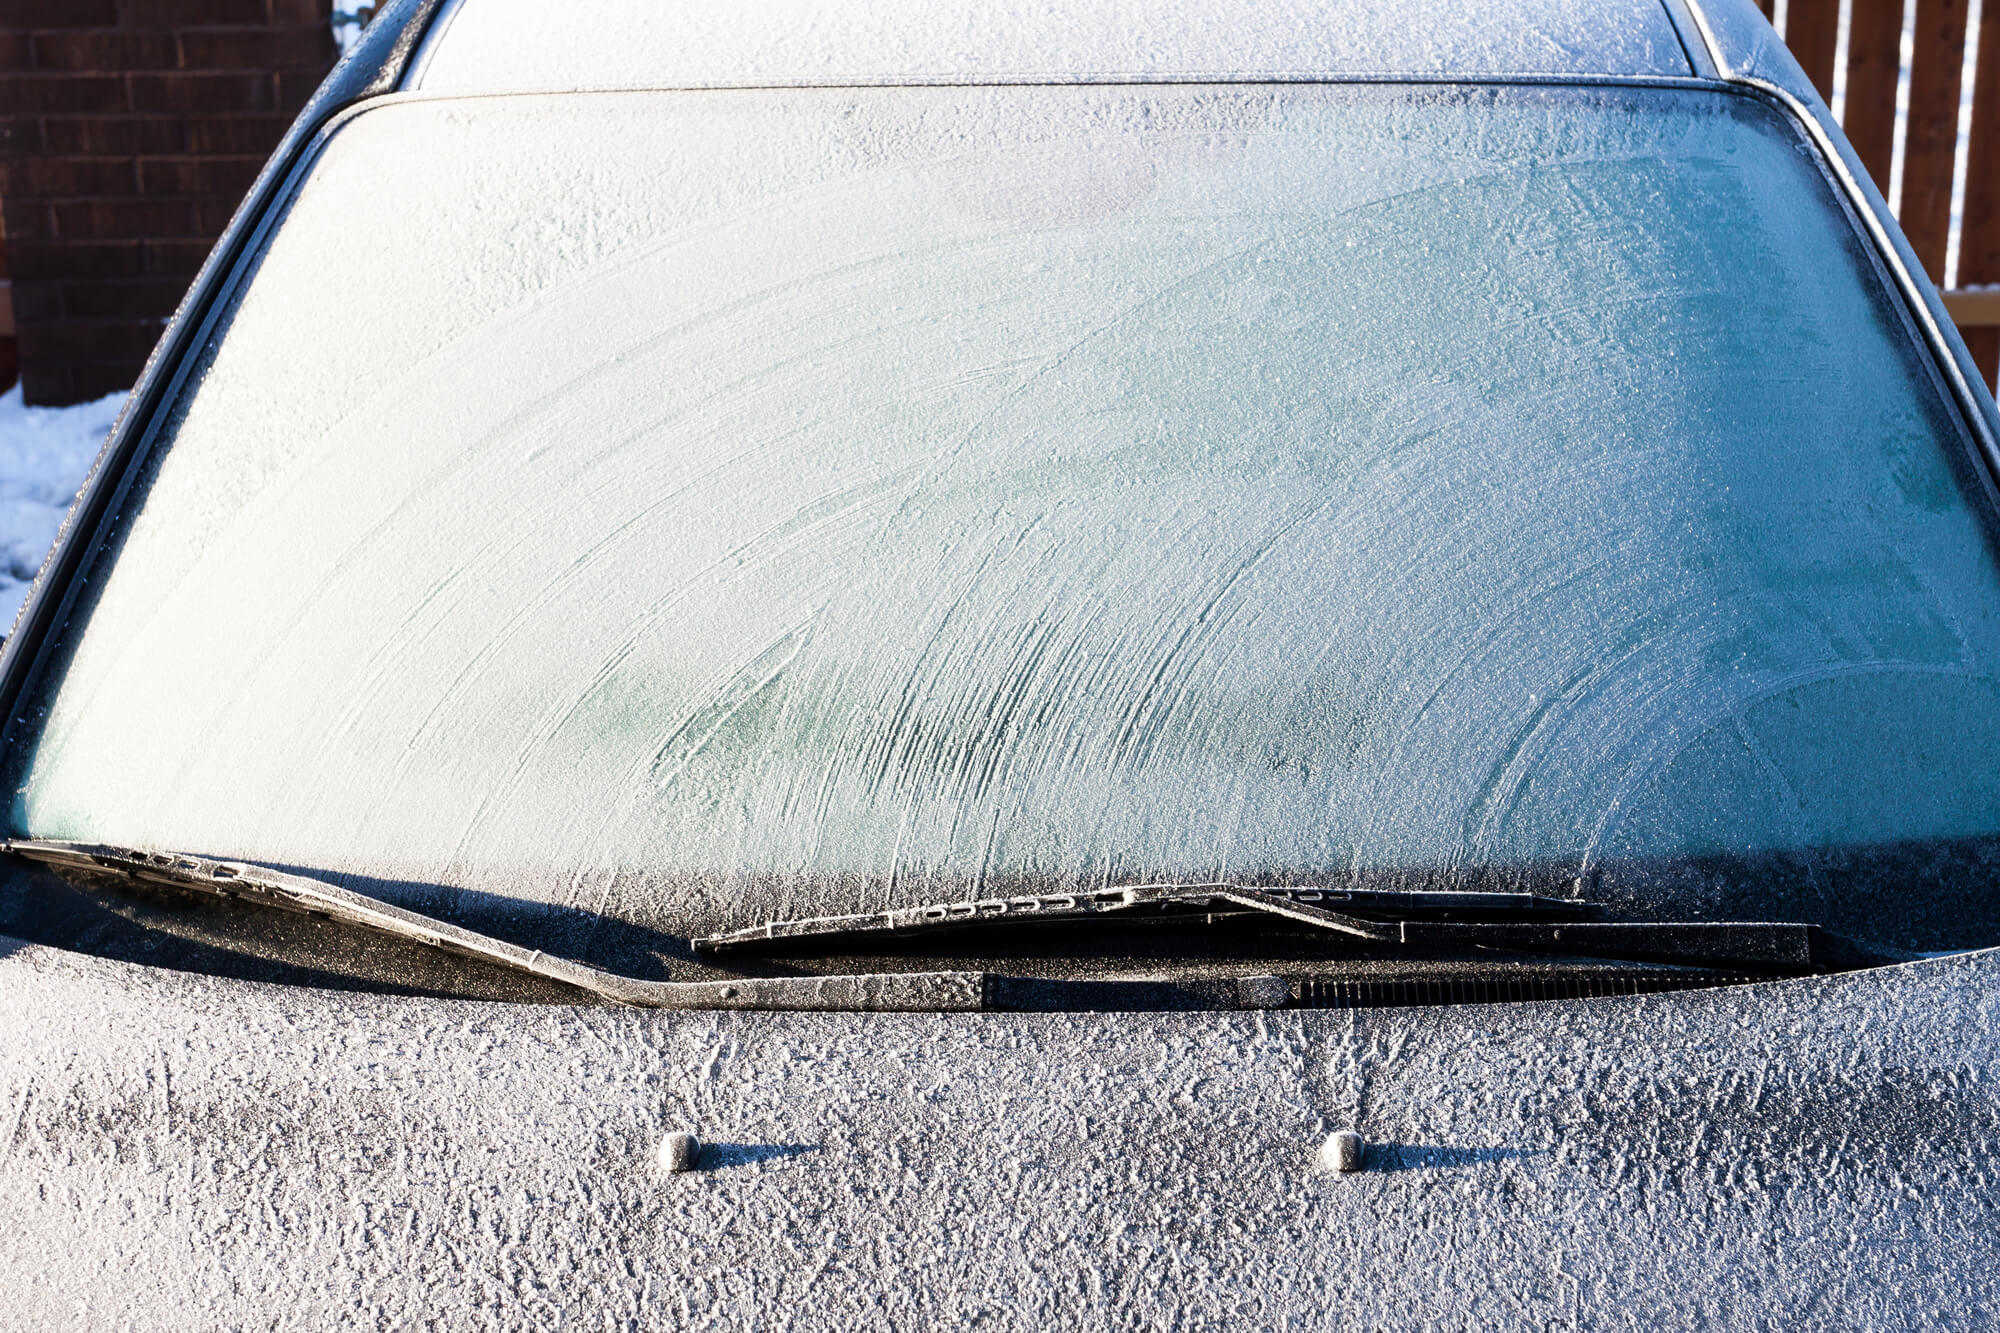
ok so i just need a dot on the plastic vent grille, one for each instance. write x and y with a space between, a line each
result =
1321 993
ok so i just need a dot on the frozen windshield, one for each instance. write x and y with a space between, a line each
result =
705 507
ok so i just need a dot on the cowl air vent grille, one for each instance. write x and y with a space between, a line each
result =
1399 992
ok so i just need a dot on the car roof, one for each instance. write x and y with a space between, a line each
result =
483 46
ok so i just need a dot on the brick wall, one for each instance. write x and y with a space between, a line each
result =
10 360
129 130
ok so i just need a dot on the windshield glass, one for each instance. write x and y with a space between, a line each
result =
700 508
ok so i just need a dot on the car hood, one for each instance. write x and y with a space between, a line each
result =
1819 1149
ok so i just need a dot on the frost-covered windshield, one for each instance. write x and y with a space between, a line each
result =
704 507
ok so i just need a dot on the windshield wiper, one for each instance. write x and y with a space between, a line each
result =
1414 919
915 992
1427 922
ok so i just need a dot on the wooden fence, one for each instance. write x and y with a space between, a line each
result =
1937 70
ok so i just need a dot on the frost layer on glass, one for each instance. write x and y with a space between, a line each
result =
530 44
695 508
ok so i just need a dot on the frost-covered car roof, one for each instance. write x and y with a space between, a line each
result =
505 45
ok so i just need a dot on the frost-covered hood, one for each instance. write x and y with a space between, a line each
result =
1810 1151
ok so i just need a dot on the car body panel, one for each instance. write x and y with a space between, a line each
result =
1819 1151
512 45
1741 43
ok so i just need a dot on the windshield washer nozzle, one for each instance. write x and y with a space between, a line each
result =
679 1151
1342 1151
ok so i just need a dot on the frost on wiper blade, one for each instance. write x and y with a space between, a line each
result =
1428 922
897 992
1554 953
1356 912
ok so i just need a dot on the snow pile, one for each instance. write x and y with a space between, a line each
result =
45 453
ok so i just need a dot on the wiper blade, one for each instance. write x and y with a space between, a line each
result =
1338 910
1509 922
1536 925
889 992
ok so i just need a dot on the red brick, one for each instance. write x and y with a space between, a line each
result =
58 176
37 302
295 88
244 135
56 93
28 220
57 259
18 208
202 92
94 381
46 386
106 51
224 176
111 136
23 14
55 385
107 219
101 113
305 13
259 49
20 134
214 215
191 13
176 258
82 342
147 298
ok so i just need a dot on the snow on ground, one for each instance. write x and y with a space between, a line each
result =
44 454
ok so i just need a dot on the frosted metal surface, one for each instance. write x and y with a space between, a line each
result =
499 45
1807 1154
702 507
1747 46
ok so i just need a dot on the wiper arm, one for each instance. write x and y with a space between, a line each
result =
1533 924
1512 922
890 992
